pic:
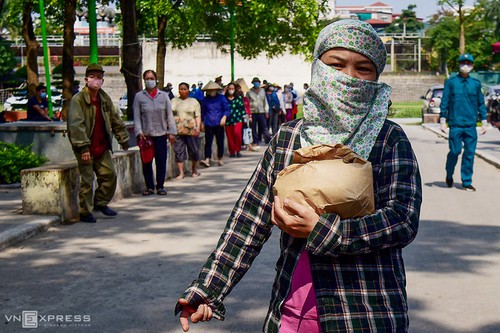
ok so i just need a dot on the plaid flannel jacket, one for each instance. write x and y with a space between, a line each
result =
356 264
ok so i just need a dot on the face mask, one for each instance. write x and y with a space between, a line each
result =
94 83
339 108
271 89
150 84
256 84
212 93
43 95
230 91
465 69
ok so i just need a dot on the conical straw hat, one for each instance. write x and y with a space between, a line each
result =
241 82
211 85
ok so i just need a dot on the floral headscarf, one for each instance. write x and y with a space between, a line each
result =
337 107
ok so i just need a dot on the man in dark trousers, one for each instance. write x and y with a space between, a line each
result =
92 120
461 105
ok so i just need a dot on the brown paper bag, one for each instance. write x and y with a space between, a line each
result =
329 179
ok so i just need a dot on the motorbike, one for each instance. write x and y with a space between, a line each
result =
494 110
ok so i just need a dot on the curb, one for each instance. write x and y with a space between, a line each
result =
27 230
487 157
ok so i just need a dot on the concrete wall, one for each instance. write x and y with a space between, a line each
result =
49 139
52 189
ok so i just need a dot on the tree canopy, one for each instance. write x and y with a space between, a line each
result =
406 22
444 38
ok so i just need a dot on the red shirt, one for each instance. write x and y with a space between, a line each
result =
153 93
99 141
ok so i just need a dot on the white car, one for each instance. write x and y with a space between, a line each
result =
19 100
122 104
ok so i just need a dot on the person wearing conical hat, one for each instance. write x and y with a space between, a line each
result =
214 113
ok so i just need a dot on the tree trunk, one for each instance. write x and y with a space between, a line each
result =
31 48
461 17
68 70
161 51
131 53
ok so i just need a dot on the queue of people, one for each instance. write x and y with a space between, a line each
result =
221 111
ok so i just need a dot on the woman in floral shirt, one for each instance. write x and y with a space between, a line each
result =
234 123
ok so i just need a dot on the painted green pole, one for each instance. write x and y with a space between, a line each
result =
92 18
231 22
46 56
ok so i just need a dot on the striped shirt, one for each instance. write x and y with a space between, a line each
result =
356 264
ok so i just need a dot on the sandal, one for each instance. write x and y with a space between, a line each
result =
148 192
161 192
195 174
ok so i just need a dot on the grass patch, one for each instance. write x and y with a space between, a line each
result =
397 110
406 110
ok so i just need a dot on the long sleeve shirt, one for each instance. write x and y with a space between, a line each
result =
213 108
258 101
356 264
153 115
462 102
237 112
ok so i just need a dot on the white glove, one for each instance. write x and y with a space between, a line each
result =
484 127
444 128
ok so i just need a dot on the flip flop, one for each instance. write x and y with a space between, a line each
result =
148 192
161 192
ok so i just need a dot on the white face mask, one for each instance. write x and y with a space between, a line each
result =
230 91
465 69
150 84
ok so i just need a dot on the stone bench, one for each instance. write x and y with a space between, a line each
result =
52 189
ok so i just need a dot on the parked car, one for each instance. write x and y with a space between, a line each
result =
19 100
122 104
432 100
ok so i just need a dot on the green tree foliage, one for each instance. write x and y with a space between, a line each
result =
272 27
406 22
444 39
457 7
492 13
7 59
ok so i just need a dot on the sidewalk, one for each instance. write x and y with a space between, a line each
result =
16 227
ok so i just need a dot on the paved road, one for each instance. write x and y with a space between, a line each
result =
125 274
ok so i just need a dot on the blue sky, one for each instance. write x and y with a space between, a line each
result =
425 8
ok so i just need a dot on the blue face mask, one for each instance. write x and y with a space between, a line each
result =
256 84
43 95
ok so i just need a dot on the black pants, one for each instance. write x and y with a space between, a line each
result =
259 122
160 144
210 132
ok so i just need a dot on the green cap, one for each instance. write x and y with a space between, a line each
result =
94 68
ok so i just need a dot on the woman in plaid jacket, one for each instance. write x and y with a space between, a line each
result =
333 275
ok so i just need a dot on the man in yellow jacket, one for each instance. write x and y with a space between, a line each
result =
92 120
